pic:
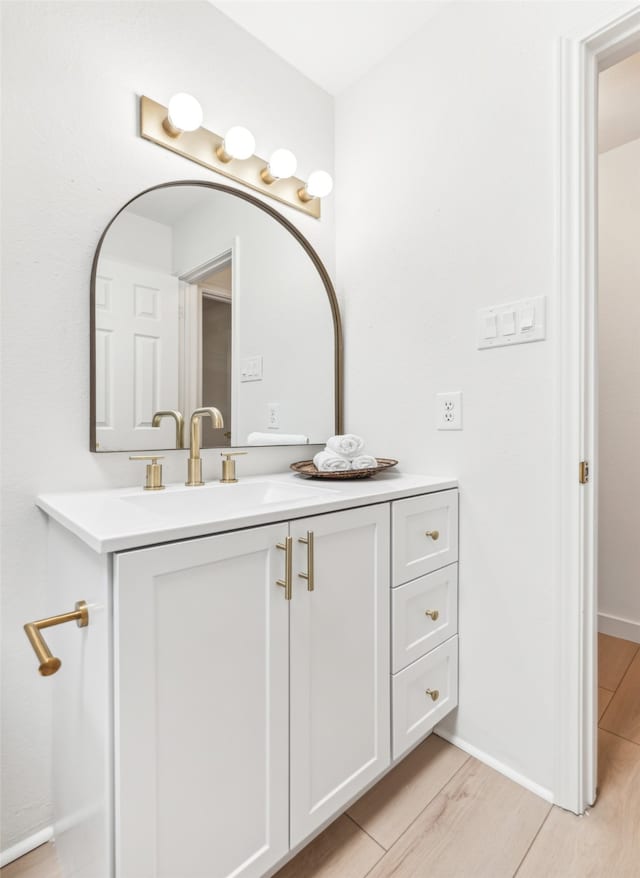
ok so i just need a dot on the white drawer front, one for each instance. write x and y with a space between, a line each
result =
424 615
425 534
415 712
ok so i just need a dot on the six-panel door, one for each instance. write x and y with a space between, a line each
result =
201 707
340 710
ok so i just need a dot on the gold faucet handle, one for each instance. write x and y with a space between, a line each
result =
153 481
229 466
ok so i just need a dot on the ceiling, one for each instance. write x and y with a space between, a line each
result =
619 104
333 42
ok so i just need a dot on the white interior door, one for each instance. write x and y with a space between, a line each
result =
201 707
136 356
340 663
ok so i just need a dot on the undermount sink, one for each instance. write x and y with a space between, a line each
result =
189 503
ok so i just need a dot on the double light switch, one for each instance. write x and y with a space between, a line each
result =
512 323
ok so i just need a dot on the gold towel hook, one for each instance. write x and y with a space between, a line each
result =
49 664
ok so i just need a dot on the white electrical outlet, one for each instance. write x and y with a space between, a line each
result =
449 411
273 416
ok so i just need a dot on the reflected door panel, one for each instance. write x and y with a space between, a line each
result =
136 355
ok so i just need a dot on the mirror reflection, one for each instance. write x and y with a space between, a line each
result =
203 298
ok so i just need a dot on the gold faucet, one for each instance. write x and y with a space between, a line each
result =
158 416
194 466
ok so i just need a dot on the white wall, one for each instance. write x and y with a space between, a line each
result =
446 198
137 240
619 391
71 158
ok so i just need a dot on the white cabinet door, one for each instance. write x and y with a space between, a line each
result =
201 707
340 701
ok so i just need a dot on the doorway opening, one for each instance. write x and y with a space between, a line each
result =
618 410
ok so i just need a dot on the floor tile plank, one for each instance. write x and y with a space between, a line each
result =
395 802
614 657
604 697
343 850
605 842
39 863
622 716
481 824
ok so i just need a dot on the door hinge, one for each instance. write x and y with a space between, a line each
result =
584 472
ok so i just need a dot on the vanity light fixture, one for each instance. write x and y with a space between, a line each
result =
318 185
281 166
179 129
184 113
238 143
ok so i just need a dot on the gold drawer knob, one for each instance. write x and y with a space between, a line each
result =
434 534
433 693
435 614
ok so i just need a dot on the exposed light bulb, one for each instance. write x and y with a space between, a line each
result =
239 143
282 164
184 114
319 184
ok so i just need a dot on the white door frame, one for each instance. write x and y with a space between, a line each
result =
576 550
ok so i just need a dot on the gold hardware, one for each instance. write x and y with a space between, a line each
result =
267 176
194 464
229 466
434 694
286 583
434 534
583 473
153 481
309 575
49 664
207 149
435 614
177 416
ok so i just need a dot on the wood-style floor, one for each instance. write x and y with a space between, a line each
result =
443 814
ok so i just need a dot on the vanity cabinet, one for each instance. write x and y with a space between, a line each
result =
237 688
244 720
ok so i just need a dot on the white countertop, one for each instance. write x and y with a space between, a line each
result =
129 518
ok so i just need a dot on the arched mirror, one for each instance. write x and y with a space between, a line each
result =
201 295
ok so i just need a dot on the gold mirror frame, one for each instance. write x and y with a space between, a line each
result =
300 238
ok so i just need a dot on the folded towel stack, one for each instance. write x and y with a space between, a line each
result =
343 453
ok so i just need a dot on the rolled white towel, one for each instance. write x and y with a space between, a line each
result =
328 462
348 445
363 461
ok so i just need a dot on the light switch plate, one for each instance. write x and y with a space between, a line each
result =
251 369
512 323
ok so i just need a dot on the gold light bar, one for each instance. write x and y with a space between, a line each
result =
201 146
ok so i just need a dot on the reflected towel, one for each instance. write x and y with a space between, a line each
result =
348 445
363 461
277 439
328 462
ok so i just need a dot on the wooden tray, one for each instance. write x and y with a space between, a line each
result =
306 468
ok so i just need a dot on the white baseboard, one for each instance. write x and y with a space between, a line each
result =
28 844
616 627
481 756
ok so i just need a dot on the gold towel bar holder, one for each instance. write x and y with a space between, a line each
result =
49 664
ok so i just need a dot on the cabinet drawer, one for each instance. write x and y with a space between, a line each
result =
425 534
415 712
424 615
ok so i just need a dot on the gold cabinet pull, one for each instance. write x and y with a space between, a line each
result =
434 694
285 583
309 575
435 614
49 664
434 534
